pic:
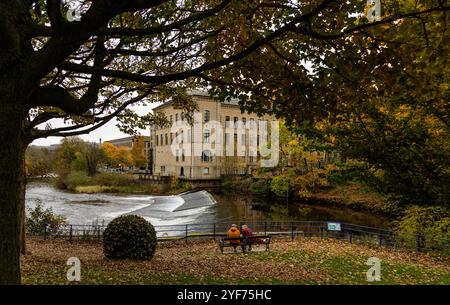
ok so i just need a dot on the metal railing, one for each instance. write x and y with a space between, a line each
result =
292 229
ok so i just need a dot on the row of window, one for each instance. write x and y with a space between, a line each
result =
205 170
177 156
262 124
244 139
207 136
208 157
163 139
207 118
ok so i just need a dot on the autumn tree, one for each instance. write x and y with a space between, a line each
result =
38 161
86 66
379 95
110 152
74 154
123 157
68 157
117 156
93 155
291 149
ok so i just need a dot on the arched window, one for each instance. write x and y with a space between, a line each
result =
206 156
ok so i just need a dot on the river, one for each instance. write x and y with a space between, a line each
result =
191 208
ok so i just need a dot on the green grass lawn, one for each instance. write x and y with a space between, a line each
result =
352 268
304 261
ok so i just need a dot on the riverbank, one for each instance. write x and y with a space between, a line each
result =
350 195
302 261
119 189
357 197
117 183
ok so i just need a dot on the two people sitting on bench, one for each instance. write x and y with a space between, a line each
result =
243 237
234 232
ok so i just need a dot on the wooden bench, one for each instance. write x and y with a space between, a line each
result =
244 242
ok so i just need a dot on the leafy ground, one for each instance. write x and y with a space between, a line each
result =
303 261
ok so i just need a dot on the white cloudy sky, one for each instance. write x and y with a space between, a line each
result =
108 131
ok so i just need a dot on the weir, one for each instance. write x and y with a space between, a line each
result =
176 203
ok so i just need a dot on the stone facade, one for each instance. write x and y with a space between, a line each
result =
221 141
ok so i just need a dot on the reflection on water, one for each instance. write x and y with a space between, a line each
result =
233 207
189 208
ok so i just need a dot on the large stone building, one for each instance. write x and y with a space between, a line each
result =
220 141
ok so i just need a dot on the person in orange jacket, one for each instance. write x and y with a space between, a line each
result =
234 232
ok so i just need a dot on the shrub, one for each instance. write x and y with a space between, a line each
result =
431 224
260 187
237 184
279 185
113 179
418 220
310 182
75 179
38 218
129 236
178 186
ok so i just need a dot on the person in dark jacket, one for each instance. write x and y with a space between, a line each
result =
247 232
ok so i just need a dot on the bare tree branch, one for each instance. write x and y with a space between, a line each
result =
63 131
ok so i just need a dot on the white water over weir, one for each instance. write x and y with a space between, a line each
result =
177 209
85 209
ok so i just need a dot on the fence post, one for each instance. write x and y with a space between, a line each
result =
186 230
70 234
350 235
265 227
292 231
321 231
214 231
45 232
98 233
380 238
418 243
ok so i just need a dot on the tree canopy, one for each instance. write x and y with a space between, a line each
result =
87 70
117 156
380 95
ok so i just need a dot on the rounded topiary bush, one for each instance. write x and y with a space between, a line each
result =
129 236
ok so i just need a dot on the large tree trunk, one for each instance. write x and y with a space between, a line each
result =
11 190
23 248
